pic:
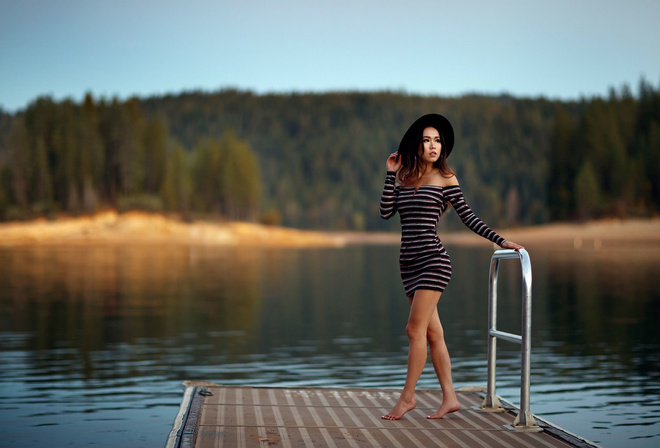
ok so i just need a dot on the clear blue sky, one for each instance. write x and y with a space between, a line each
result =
557 48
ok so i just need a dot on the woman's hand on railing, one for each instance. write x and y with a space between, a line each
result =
511 245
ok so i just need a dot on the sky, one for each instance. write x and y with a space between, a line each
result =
564 49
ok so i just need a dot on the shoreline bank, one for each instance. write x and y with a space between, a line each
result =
147 228
593 234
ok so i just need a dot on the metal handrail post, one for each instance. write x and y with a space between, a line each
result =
525 418
491 402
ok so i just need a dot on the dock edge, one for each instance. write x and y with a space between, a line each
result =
184 427
552 429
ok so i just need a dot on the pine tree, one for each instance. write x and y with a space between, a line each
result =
177 186
587 193
240 177
92 158
20 166
155 147
562 165
132 159
42 188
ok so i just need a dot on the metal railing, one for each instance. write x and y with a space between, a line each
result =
525 419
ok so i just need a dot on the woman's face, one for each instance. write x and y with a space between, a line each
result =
430 145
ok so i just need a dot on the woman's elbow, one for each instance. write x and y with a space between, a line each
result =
386 214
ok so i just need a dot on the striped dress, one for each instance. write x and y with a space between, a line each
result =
423 261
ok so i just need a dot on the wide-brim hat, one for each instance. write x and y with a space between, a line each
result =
436 121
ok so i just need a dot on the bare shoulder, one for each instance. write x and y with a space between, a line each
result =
443 181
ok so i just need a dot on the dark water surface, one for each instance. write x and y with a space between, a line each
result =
95 341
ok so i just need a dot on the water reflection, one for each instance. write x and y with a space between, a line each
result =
99 338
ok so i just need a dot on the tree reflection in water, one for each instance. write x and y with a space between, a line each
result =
102 336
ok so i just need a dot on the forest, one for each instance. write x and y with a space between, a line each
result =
317 160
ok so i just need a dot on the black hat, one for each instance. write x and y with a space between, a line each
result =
433 121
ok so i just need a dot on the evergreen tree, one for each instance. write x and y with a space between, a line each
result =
240 179
207 166
19 166
65 158
41 185
177 186
132 156
155 147
587 192
91 167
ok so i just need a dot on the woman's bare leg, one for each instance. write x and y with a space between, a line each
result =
442 366
422 306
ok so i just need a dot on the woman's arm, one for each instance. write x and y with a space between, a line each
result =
388 198
454 195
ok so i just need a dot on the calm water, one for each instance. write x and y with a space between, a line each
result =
94 342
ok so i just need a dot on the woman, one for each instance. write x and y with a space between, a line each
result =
421 187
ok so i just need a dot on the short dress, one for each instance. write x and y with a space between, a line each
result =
423 261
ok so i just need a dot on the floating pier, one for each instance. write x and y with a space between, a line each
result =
218 416
221 416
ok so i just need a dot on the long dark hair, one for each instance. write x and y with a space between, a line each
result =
412 164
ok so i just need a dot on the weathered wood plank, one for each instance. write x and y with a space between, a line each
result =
319 417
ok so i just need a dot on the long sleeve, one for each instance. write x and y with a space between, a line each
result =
455 196
388 198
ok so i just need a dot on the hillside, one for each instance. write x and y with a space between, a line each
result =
316 161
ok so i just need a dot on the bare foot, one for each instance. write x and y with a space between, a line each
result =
401 407
447 407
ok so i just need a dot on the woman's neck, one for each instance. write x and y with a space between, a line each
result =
428 169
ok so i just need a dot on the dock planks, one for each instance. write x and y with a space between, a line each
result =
231 417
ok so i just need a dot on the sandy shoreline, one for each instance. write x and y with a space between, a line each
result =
146 228
593 234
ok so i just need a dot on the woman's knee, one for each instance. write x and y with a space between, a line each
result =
435 335
415 331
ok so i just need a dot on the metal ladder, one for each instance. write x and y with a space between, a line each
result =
525 419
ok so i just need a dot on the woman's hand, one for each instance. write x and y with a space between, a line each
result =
511 245
393 162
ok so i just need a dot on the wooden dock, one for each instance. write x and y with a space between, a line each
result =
219 416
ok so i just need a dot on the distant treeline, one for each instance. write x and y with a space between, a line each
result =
318 160
65 157
605 157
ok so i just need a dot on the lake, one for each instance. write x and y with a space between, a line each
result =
95 341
